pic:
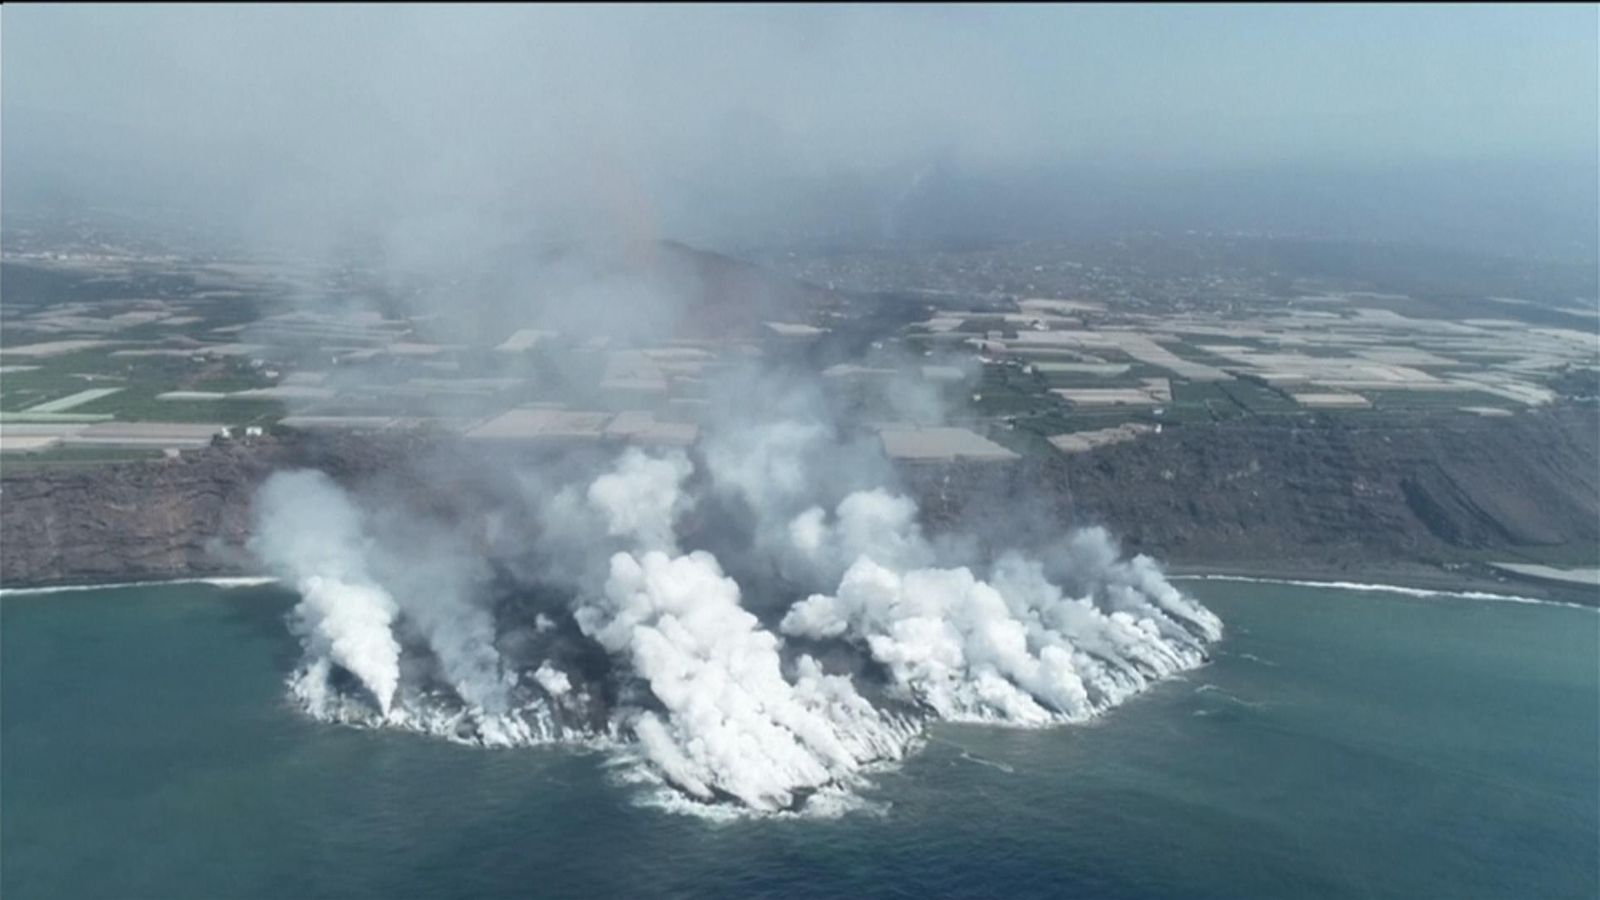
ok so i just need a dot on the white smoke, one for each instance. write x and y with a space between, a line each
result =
311 535
731 723
765 463
1013 648
438 590
702 697
553 680
875 523
355 592
642 497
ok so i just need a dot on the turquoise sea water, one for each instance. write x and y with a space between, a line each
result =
1340 745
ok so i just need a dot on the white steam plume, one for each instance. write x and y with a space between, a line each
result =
311 535
697 693
642 497
357 593
731 723
1013 648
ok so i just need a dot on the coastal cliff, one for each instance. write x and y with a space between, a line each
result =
1311 498
1330 492
187 516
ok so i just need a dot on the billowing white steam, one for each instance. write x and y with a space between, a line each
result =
707 699
643 497
730 723
353 592
313 536
1013 648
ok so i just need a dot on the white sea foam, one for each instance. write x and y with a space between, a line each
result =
1225 695
831 802
970 757
533 722
1257 659
243 581
1364 587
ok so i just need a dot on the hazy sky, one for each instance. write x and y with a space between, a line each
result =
457 109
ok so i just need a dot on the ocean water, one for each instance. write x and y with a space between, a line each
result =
1342 744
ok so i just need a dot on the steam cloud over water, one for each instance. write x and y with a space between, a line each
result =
846 630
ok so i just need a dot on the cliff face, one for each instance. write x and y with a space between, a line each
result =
1325 496
1329 495
184 517
127 521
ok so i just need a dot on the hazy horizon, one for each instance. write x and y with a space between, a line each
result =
1469 126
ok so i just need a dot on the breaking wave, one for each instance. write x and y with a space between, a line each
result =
228 582
1367 588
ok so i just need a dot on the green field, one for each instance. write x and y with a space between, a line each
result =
141 379
74 456
140 404
20 390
